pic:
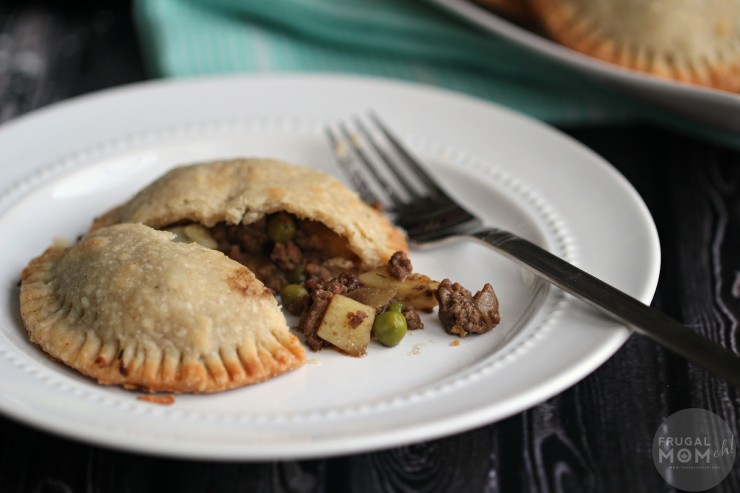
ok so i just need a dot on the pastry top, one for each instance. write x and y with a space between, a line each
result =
690 28
695 41
127 305
245 190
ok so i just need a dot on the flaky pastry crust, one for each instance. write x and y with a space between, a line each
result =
245 190
696 42
128 306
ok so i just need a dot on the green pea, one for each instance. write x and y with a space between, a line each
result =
297 275
390 327
292 293
281 227
396 307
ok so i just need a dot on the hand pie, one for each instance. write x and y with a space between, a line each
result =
687 40
275 218
129 306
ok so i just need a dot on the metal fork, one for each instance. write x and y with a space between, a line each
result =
430 215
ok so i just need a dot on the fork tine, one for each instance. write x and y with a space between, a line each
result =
402 180
418 214
410 160
357 148
359 184
424 216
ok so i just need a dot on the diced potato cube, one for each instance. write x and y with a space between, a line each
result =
347 324
375 297
194 233
416 290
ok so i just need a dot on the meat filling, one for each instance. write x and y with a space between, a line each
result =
308 264
413 321
317 301
399 266
282 249
320 293
461 313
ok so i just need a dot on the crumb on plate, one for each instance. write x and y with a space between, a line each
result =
162 399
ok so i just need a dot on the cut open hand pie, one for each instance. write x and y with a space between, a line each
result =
277 219
129 306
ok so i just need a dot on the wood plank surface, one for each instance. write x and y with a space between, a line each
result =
595 436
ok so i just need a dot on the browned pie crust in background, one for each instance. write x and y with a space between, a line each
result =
696 42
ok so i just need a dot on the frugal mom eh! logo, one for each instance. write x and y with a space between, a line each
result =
694 449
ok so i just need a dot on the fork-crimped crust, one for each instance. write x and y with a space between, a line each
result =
128 306
693 41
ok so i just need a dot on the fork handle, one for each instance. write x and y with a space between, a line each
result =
620 306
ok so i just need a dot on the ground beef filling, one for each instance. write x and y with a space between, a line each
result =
320 293
294 251
286 252
399 266
317 300
461 313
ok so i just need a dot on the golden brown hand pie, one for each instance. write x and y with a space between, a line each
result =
129 306
694 41
332 222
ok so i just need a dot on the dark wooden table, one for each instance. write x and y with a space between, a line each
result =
595 436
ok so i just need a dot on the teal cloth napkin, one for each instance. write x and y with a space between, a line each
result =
411 40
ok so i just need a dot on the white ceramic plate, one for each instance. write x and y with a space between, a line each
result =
76 159
715 108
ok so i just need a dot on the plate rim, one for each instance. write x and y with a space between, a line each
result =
619 336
